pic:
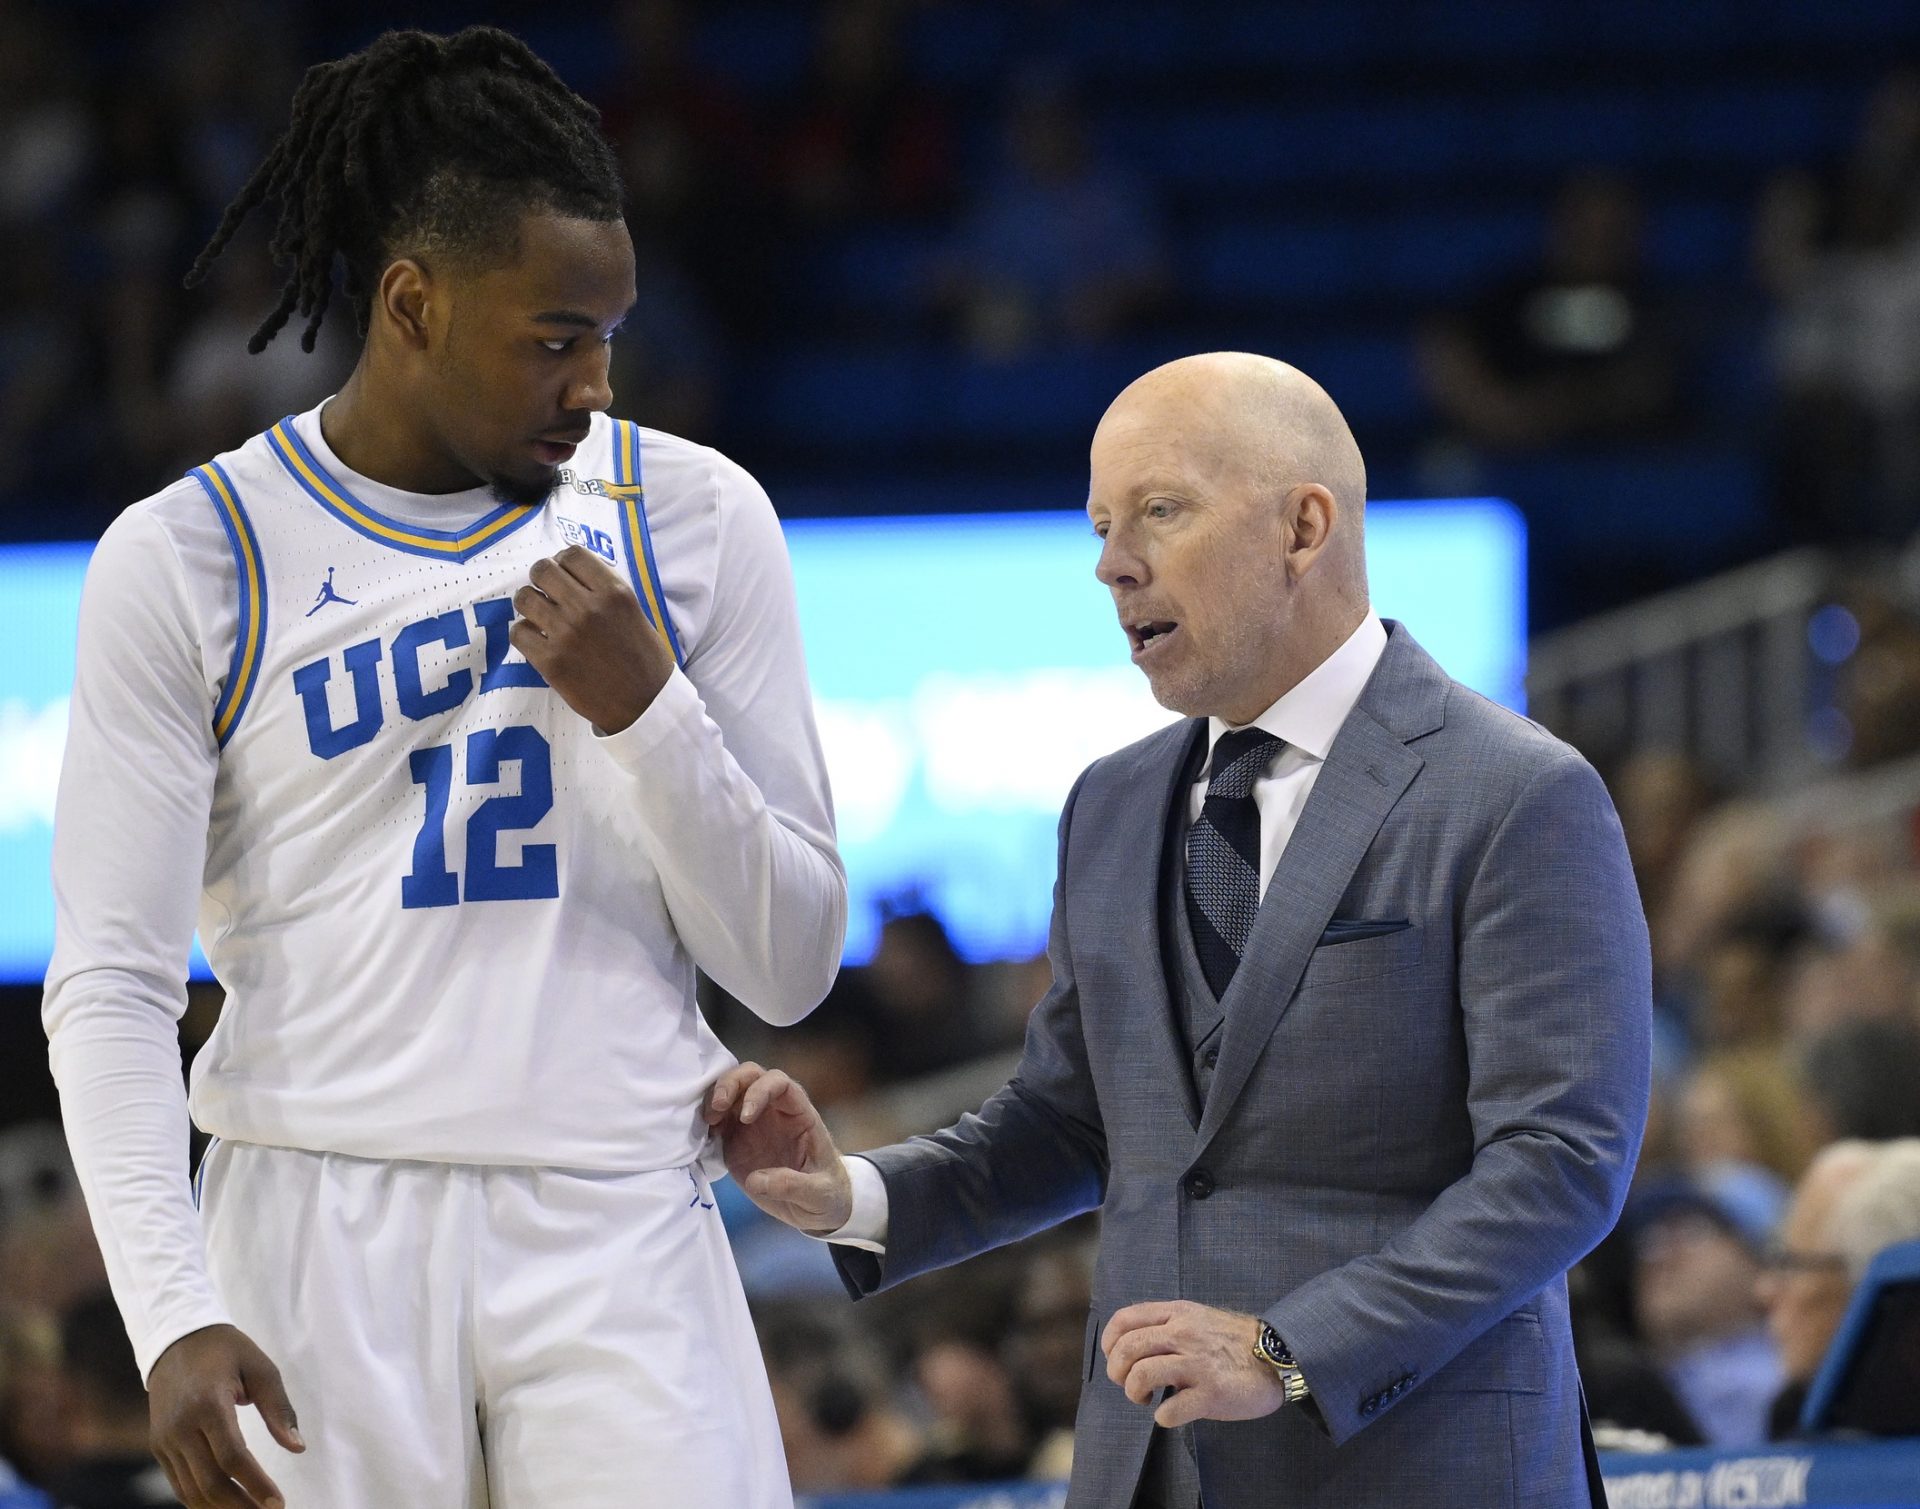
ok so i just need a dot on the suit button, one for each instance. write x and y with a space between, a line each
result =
1212 1058
1199 1184
1368 1406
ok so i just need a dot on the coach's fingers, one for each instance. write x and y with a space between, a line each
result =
1130 1349
1184 1407
771 1086
1133 1317
1148 1376
727 1090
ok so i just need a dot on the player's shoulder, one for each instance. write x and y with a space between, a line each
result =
682 477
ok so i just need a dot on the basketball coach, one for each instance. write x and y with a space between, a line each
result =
1347 1037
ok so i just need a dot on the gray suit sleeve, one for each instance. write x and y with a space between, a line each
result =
1033 1156
1556 1003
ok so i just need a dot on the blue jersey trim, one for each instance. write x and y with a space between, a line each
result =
416 539
630 495
250 634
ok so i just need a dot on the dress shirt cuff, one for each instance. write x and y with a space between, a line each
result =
866 1228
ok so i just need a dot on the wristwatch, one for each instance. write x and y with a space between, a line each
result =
1270 1349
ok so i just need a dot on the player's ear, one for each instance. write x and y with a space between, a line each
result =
403 302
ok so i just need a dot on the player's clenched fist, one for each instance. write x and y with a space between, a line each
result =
778 1149
581 627
193 1393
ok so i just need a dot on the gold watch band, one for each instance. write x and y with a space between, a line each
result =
1293 1382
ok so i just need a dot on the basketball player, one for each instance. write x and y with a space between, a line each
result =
465 721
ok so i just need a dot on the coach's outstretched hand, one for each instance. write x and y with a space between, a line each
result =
581 627
192 1395
779 1150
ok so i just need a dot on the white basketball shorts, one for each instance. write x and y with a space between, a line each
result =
463 1337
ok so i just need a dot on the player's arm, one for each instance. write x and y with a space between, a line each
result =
136 788
729 780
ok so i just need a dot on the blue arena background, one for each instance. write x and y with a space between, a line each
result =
965 668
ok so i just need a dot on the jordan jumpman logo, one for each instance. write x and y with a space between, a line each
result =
328 595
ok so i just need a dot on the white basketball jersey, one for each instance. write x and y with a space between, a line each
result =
434 915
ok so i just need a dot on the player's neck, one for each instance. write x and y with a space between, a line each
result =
379 438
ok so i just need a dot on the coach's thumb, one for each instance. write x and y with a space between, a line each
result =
269 1396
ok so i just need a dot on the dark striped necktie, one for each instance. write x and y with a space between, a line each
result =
1223 854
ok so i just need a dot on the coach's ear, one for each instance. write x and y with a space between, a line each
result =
405 306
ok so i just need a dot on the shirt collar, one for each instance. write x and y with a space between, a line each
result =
1309 716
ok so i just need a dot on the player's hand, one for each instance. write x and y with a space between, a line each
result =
779 1150
581 627
1204 1354
192 1395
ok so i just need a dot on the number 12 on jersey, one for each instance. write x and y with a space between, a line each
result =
536 877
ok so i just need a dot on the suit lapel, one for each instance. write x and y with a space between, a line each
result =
1366 771
1166 777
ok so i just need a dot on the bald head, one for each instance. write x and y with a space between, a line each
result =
1256 414
1232 497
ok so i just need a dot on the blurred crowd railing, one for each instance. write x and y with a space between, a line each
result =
1720 672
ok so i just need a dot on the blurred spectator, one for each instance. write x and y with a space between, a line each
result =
1743 1107
1856 1198
1881 1208
1046 1352
864 139
1840 252
919 992
1661 796
1741 975
1697 1260
979 1434
1879 687
1737 855
1867 967
105 1407
838 1422
1860 1080
1575 349
1061 244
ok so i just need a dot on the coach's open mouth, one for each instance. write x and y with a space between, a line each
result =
1147 633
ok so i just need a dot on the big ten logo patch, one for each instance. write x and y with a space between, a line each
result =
588 538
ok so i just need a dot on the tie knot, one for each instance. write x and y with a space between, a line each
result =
1239 759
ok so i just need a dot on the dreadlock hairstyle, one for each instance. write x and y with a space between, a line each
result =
421 142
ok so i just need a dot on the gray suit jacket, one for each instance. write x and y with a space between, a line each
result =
1412 1131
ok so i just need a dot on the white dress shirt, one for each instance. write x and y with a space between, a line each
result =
1306 719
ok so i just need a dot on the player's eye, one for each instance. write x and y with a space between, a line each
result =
559 347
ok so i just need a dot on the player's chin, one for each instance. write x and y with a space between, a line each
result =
526 485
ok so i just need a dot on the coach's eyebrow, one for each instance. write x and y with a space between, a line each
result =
566 317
